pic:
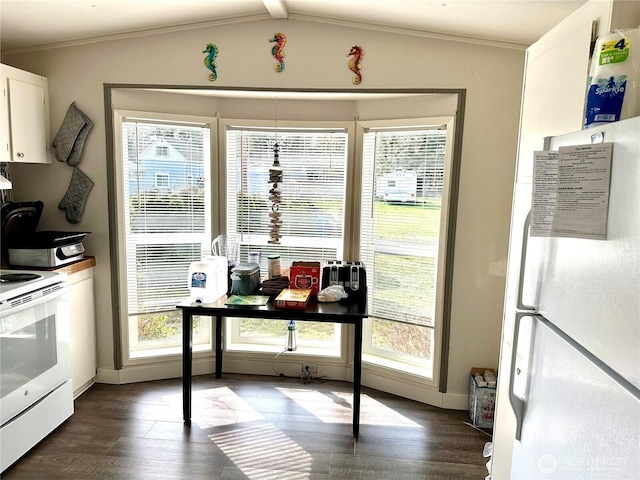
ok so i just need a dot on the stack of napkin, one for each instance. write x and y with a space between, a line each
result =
273 286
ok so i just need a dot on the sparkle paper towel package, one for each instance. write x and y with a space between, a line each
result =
613 78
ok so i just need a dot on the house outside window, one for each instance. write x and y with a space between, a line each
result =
165 226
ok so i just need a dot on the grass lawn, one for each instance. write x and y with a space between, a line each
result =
395 293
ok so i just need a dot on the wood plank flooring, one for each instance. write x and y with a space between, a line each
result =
253 427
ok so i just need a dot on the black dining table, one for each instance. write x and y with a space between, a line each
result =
350 312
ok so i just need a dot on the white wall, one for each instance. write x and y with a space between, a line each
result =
315 58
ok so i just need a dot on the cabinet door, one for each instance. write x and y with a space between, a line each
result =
5 146
27 122
83 331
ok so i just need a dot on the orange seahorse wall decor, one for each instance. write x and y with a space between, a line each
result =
354 63
278 50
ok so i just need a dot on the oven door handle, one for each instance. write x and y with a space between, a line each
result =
34 303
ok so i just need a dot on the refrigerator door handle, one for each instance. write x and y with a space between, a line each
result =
517 404
595 361
523 264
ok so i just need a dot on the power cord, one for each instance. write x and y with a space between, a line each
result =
273 364
306 377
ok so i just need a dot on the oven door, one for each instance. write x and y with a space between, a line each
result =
34 351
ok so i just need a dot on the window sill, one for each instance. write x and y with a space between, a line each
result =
272 349
154 353
423 371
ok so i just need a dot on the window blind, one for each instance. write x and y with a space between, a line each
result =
166 177
403 178
313 192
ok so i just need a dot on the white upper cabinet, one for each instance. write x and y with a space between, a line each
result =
24 114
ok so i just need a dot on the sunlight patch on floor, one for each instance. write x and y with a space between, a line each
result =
322 404
215 407
263 452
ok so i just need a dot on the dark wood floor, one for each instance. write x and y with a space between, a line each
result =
252 427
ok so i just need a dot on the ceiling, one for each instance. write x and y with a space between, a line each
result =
35 24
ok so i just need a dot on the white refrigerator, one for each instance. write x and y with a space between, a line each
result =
568 399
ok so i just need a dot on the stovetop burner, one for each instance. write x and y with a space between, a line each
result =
18 277
15 283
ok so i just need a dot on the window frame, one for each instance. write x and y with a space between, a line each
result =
450 101
232 339
163 180
162 151
154 352
378 358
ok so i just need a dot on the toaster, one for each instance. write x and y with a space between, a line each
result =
351 275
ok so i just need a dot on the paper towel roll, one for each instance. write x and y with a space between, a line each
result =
613 80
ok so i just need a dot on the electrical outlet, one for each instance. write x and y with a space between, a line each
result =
311 368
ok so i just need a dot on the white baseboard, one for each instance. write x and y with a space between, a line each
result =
413 391
107 375
83 388
153 371
287 367
455 401
290 367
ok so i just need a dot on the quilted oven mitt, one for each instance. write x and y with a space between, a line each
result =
74 200
70 138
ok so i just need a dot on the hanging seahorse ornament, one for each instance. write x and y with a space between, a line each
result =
278 50
210 60
354 63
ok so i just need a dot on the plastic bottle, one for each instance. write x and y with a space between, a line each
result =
273 266
291 345
208 279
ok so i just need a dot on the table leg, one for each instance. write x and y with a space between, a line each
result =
187 346
218 346
357 377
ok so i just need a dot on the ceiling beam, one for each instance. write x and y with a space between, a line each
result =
276 8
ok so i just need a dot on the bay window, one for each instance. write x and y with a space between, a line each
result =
374 191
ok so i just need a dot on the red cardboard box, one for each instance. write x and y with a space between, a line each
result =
305 276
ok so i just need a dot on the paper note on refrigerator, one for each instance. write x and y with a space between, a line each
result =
578 205
545 189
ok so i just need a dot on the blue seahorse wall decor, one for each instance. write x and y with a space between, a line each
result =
210 60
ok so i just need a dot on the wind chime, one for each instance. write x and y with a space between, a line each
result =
275 178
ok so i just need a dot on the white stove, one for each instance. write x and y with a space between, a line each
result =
14 283
36 394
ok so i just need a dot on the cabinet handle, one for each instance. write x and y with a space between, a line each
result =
20 155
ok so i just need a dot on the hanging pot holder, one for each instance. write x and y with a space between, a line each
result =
74 200
70 138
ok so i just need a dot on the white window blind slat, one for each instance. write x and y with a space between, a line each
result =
313 191
166 170
403 175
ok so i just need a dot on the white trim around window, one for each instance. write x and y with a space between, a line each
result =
412 370
153 352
